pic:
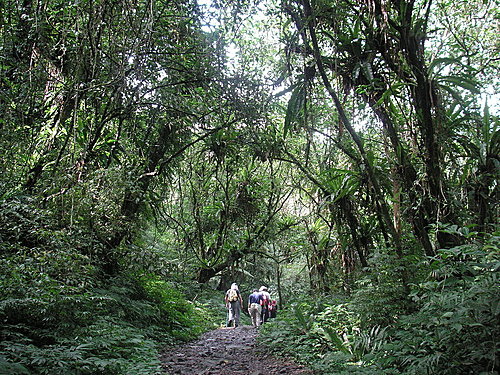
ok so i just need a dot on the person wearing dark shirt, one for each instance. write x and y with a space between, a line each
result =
255 307
273 309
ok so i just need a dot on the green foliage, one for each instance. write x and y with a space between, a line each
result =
59 315
455 328
295 113
185 319
380 296
116 113
450 326
116 329
108 346
326 337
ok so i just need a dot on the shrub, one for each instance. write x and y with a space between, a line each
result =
326 337
455 328
108 346
184 319
59 316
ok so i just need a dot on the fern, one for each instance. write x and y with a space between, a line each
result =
337 342
302 322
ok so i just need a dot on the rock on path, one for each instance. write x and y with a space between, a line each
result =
226 351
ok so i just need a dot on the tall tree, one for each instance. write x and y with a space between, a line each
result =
377 51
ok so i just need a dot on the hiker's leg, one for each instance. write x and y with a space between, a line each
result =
250 312
236 310
253 314
230 317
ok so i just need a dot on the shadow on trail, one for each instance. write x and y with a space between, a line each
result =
226 351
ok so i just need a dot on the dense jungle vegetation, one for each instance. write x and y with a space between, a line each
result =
343 152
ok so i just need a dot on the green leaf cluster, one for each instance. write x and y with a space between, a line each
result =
455 326
450 326
60 315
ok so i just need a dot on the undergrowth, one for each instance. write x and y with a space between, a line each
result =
117 329
59 315
448 326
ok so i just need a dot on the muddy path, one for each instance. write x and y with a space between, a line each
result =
226 351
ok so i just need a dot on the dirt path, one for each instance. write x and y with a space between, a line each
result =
226 351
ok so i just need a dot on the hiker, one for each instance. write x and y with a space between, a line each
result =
234 303
255 307
273 309
266 297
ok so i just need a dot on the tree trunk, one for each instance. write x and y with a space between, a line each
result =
134 199
384 212
278 284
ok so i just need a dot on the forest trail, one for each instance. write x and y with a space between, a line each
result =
226 351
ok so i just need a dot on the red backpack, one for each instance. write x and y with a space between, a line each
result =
265 300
